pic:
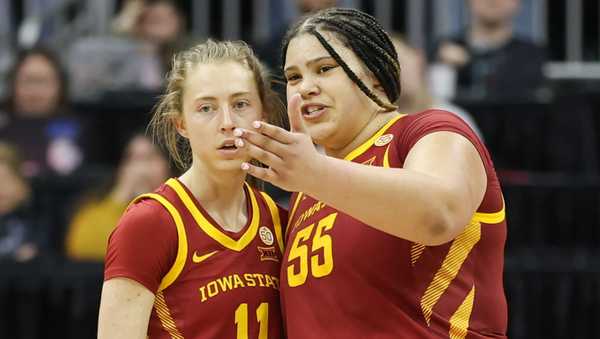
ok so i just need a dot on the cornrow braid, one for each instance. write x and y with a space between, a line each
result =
370 63
362 34
366 36
351 74
379 31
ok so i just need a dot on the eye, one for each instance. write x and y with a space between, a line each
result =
240 105
206 108
292 77
325 68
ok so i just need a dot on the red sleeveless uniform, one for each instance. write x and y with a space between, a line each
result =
343 279
208 283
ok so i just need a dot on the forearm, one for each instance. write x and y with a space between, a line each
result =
400 202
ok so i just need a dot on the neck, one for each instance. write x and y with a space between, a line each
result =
220 194
417 103
377 121
490 34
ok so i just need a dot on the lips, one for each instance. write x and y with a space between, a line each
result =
312 110
228 144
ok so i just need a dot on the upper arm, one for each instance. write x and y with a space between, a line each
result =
143 246
125 308
457 165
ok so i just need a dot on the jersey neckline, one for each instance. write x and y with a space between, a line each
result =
209 226
367 144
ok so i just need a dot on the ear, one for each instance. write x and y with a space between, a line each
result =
180 126
377 86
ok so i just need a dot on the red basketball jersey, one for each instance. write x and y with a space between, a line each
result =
343 279
209 283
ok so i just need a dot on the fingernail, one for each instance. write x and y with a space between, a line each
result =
239 142
238 132
256 124
245 166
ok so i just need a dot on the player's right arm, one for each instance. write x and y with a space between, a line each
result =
125 309
141 250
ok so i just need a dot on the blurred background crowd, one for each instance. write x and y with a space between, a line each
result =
79 78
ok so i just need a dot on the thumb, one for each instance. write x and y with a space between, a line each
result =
295 115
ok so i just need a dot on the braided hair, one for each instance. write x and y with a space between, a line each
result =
365 37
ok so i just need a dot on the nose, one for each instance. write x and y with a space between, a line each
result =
308 88
227 120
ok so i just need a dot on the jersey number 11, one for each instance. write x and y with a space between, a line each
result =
262 317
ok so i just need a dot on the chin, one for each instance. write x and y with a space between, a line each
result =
230 165
319 133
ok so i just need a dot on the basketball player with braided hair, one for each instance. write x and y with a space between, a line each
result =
398 230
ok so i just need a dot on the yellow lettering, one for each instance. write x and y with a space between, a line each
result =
311 211
225 283
300 220
259 277
249 280
237 281
203 294
212 289
231 282
269 281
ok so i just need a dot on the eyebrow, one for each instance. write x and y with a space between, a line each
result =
310 62
212 98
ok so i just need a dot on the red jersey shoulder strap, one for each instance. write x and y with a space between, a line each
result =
298 198
367 144
182 245
276 219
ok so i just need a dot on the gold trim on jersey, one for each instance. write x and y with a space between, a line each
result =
370 161
386 159
291 215
458 253
276 219
459 322
367 144
182 248
164 314
491 218
415 252
417 249
214 231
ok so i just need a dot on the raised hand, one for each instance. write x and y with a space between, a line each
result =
293 161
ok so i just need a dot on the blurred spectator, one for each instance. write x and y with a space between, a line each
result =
159 23
36 85
142 169
270 51
37 117
17 225
147 33
415 95
490 60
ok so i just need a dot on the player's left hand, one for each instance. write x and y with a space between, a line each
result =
292 159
